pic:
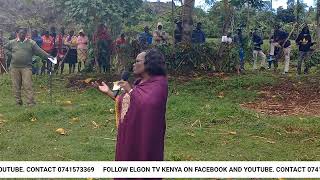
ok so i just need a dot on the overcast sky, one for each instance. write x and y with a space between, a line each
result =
276 3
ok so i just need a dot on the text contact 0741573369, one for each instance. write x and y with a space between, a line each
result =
76 169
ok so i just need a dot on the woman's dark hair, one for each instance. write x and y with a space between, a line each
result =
155 63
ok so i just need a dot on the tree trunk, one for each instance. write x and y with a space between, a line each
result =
248 17
227 17
226 25
298 9
187 22
318 22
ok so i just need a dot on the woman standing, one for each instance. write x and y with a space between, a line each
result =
120 49
71 59
82 49
102 42
48 46
141 110
61 50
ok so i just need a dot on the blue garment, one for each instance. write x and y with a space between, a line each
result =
241 54
198 36
145 38
38 40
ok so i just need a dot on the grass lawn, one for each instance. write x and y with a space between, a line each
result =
204 122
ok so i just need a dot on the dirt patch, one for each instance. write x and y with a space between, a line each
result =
290 97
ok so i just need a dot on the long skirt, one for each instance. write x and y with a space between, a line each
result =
72 57
82 55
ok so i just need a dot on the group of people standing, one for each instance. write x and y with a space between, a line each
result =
280 45
160 37
68 48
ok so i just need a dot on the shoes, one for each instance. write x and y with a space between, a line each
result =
19 103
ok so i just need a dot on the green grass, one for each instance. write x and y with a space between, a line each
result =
226 133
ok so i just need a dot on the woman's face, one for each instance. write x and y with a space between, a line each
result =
138 66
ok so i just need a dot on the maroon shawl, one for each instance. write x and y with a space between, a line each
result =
141 131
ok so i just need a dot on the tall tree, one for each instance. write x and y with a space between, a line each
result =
318 21
187 21
227 17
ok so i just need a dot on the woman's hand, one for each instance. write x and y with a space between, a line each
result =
104 88
125 85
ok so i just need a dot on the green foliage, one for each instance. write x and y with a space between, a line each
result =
33 14
257 4
187 57
92 12
314 60
184 139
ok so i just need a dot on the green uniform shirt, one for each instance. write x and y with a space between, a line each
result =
22 52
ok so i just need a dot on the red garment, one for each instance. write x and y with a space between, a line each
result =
102 35
116 45
120 41
47 43
59 42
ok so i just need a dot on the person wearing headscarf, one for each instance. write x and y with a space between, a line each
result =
82 48
160 37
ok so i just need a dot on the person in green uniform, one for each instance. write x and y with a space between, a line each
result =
22 50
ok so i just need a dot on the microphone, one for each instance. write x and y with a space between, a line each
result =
124 77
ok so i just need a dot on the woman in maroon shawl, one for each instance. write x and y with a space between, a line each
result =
141 126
